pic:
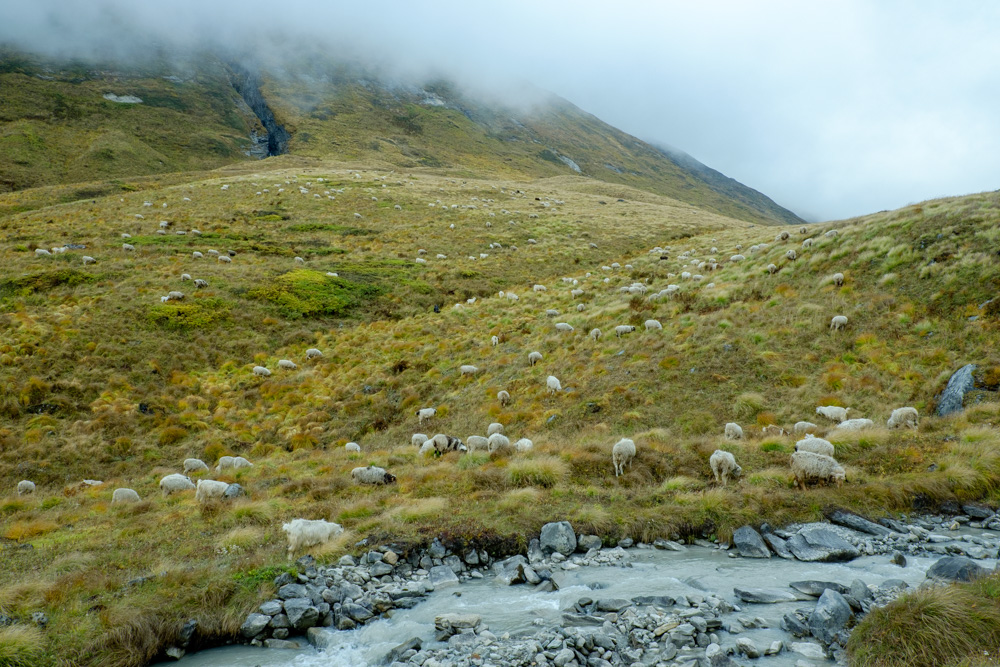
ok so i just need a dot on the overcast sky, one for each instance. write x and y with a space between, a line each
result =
832 109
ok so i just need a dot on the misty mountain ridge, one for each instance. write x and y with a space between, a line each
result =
64 122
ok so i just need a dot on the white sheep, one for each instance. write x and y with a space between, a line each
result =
652 324
299 260
904 417
807 466
495 427
447 443
552 382
425 413
783 236
734 431
802 230
577 292
772 268
737 258
563 326
175 482
494 341
127 247
260 371
623 329
240 462
837 279
807 243
307 533
833 412
534 358
287 364
24 487
313 353
199 283
499 444
197 255
832 233
791 255
175 296
477 443
622 454
224 462
815 445
504 397
418 439
214 253
467 369
596 334
209 489
551 312
538 288
372 475
580 307
838 322
87 259
353 448
124 496
192 465
804 427
427 448
524 445
227 260
856 424
724 466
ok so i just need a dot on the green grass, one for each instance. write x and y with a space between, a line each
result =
306 293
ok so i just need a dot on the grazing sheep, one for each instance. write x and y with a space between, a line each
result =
495 427
313 353
807 466
427 448
804 427
783 236
580 307
467 369
352 447
214 253
24 487
724 466
198 282
623 329
185 276
504 397
904 417
197 255
772 268
524 445
802 230
299 260
209 489
596 334
175 296
734 431
494 341
838 322
653 324
832 412
418 439
773 428
534 358
372 475
577 292
224 462
287 364
175 482
42 252
477 443
563 326
227 260
832 233
737 258
622 454
807 243
837 279
124 496
425 413
127 247
499 444
791 255
192 465
815 445
552 382
856 424
551 312
308 533
538 288
446 443
87 259
240 462
260 371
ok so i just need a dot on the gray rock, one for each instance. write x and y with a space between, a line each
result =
626 542
764 595
188 630
776 647
894 583
658 600
898 558
345 622
436 549
779 546
794 626
380 569
587 542
455 563
894 525
858 523
557 537
511 570
442 576
810 650
860 591
563 658
281 643
175 653
321 637
670 545
951 398
977 511
612 604
816 543
831 615
535 551
746 646
411 644
816 588
956 568
530 576
280 621
271 607
301 613
254 625
347 561
289 591
749 543
472 558
233 491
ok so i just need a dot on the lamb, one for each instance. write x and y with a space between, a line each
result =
734 431
856 424
804 427
198 282
904 417
372 475
175 482
192 465
495 427
353 448
313 353
240 462
225 462
772 268
308 533
25 487
425 413
477 443
807 466
524 445
87 259
494 341
724 466
446 443
622 454
837 279
596 334
838 323
418 439
499 444
653 324
209 489
791 255
623 329
468 369
552 382
563 326
287 364
260 371
504 397
124 496
833 412
534 358
773 428
127 247
815 445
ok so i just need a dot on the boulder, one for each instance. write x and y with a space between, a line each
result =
779 546
587 542
321 638
411 644
858 523
764 595
289 591
749 543
816 543
511 570
977 511
302 615
612 604
746 646
254 625
816 588
557 537
436 549
447 625
810 650
357 612
830 616
281 643
956 568
961 382
860 592
442 576
271 607
380 569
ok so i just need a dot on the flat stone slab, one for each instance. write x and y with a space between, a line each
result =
749 543
764 595
956 568
816 588
817 543
858 523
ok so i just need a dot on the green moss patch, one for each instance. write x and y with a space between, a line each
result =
305 293
181 316
44 281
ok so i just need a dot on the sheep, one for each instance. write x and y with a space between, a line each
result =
856 424
353 448
175 482
622 454
197 255
802 230
224 462
24 487
124 496
804 427
313 353
418 439
524 445
837 279
42 252
538 288
772 268
791 255
832 233
499 444
87 259
175 296
575 293
504 397
494 341
299 260
832 412
495 427
425 413
807 243
724 466
214 253
737 258
372 475
551 312
199 283
815 445
260 371
420 260
734 431
783 236
552 382
127 247
773 428
534 358
563 326
807 466
623 329
467 369
287 364
227 260
596 334
477 443
209 489
652 324
904 417
193 465
240 462
427 448
838 323
446 443
308 533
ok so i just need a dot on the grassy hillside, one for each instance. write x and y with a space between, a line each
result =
101 380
